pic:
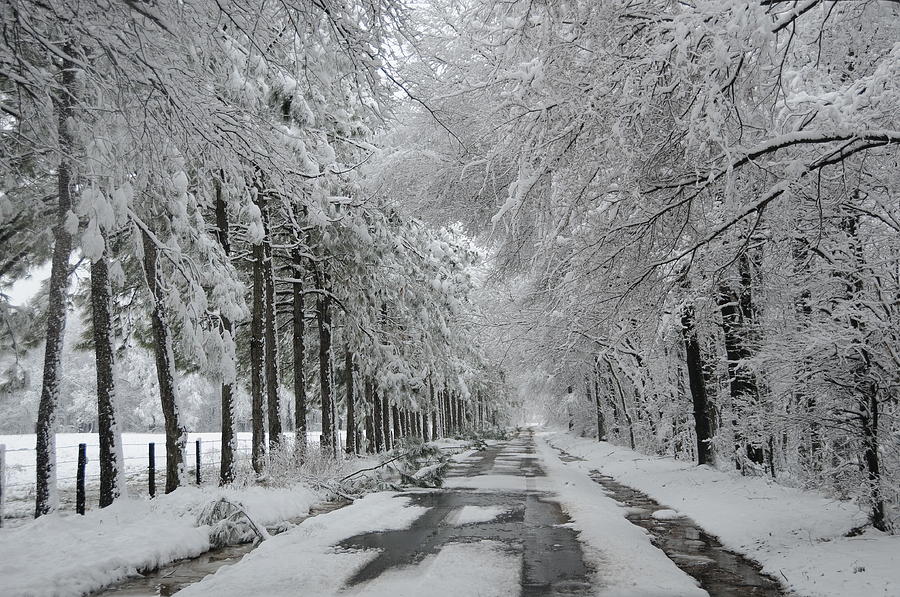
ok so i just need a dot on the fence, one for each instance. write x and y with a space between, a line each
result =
78 473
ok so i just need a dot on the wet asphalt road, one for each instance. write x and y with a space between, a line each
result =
529 527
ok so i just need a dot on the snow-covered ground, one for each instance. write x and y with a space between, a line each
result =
65 554
797 536
626 563
303 561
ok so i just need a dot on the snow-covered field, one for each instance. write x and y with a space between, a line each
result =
797 536
20 454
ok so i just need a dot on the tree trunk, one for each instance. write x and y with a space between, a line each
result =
386 422
451 412
112 473
176 435
299 355
377 415
694 362
621 394
226 470
351 411
598 404
737 318
271 324
869 422
371 415
257 361
395 413
46 498
323 317
431 434
806 401
866 389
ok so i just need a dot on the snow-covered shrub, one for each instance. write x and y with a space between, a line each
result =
229 524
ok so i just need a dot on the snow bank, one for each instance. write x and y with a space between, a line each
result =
626 563
304 559
796 535
667 514
453 572
65 554
475 514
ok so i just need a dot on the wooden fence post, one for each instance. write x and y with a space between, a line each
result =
152 470
79 482
197 443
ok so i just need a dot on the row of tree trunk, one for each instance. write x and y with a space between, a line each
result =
753 447
373 422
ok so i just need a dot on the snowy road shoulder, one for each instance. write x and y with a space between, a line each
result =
797 536
626 563
304 559
65 554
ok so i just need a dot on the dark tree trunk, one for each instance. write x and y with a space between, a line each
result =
395 413
694 362
869 422
299 355
370 430
226 470
445 420
426 432
271 324
370 415
351 413
737 320
377 415
46 498
866 389
598 404
806 401
323 317
627 416
386 422
451 413
257 361
111 477
176 435
433 407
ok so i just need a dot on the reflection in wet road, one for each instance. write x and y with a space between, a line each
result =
528 527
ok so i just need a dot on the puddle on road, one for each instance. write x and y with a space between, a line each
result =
720 572
170 579
531 526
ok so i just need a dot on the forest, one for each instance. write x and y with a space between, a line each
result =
672 226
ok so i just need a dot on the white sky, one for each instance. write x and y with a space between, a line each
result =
24 288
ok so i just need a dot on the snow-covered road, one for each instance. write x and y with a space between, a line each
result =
499 527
